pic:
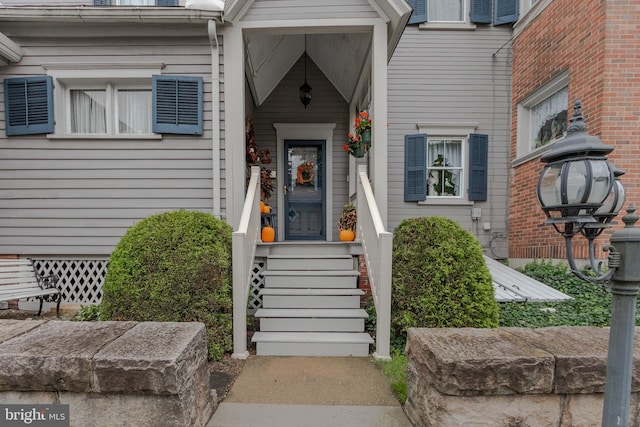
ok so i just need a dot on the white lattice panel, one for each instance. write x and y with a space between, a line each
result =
257 283
80 279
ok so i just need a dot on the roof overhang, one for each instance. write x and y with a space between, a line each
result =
124 14
396 14
9 50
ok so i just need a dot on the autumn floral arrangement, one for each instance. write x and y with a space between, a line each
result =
349 218
347 222
359 140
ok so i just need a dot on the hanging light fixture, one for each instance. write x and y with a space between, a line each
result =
305 89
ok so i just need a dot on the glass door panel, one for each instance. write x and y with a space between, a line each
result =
305 191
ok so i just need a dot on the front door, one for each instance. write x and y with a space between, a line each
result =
304 195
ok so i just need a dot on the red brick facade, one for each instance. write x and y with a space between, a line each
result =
598 44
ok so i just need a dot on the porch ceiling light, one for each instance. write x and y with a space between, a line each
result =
305 89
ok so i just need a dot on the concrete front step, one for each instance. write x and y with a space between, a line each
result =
310 298
312 344
311 279
311 320
310 262
309 248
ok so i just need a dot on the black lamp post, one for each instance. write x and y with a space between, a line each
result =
580 193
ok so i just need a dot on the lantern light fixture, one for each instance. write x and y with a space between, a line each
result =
305 89
580 193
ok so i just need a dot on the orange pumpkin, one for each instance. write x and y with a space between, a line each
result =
346 235
262 205
268 234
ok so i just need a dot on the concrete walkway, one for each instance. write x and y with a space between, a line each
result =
309 392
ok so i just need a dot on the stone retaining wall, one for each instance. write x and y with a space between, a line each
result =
510 377
110 373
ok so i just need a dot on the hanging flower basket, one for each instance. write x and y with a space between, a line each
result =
365 137
360 141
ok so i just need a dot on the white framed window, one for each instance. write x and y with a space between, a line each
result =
103 100
542 118
446 10
448 169
445 170
134 2
448 14
108 109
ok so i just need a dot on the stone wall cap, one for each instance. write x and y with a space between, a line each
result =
580 356
470 361
56 355
151 358
10 328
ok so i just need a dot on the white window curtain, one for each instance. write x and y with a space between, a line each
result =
445 172
543 116
88 111
445 10
134 111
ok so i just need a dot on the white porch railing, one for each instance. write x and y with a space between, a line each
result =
377 245
244 242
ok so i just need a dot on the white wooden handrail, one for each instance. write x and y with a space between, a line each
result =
244 242
377 246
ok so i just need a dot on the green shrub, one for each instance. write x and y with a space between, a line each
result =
439 278
591 305
88 313
173 267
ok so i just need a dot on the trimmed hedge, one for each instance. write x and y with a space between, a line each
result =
174 267
439 278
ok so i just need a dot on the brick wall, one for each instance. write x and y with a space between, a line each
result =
597 43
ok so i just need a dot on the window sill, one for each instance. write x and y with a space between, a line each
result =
445 202
532 155
447 26
150 137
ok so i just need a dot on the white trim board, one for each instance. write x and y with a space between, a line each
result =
305 131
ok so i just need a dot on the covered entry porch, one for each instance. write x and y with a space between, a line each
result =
341 51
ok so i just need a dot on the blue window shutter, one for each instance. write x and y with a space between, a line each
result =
102 2
419 13
415 167
505 12
28 105
177 104
478 166
481 11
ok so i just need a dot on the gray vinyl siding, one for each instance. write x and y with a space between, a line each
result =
78 197
327 106
54 3
453 77
305 9
46 3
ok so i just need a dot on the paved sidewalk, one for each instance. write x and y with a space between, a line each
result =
309 392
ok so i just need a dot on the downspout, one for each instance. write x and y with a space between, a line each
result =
215 117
